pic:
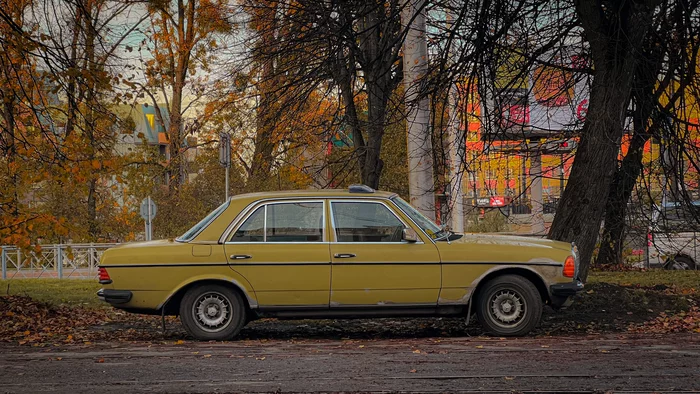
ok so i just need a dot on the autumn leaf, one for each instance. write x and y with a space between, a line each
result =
417 351
100 360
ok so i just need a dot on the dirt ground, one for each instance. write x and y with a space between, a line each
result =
594 363
614 338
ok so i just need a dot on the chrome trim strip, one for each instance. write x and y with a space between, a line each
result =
498 263
264 223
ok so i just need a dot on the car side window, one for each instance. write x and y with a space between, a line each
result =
295 222
365 222
253 229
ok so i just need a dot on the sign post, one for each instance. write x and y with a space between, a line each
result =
225 156
148 212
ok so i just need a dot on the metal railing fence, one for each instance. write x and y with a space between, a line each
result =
53 261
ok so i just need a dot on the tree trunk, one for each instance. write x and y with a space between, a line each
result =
644 91
91 99
265 54
583 202
625 178
615 39
377 107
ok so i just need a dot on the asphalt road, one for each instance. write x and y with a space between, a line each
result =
476 364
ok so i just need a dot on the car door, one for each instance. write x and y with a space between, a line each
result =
281 248
372 265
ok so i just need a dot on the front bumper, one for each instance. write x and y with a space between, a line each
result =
562 294
114 297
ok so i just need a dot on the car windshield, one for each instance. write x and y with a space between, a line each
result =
430 228
191 233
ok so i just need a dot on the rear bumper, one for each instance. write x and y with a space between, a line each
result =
563 293
114 297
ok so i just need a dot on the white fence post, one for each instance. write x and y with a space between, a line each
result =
58 259
4 263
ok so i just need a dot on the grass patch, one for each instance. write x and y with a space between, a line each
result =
68 292
682 280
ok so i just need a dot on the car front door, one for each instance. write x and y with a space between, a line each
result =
281 248
372 265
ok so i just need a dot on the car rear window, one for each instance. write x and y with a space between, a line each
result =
197 228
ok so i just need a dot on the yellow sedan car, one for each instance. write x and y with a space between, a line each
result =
353 253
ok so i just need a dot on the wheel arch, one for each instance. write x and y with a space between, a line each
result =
171 305
529 274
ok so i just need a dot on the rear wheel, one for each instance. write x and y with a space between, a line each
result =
212 312
509 305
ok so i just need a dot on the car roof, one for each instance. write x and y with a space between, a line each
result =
315 193
237 203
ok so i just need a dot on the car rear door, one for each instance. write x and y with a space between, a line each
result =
372 265
281 248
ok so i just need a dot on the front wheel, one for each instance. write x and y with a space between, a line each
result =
509 305
680 263
212 312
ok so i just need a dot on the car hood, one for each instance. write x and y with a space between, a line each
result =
512 240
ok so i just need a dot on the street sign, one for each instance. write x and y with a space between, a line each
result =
225 157
148 212
148 209
225 149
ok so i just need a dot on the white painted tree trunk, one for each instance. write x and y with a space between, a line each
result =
415 66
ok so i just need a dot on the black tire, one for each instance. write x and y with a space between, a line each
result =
224 318
512 291
680 263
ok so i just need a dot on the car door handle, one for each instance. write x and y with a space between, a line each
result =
240 256
344 255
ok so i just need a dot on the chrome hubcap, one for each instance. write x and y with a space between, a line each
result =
507 308
680 265
212 312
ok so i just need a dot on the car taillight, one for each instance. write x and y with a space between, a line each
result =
569 267
104 276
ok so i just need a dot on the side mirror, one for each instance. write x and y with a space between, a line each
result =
409 235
